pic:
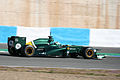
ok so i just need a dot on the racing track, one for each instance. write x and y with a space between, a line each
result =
107 63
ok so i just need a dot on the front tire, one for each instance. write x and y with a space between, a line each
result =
88 53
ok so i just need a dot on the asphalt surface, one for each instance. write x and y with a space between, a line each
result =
106 63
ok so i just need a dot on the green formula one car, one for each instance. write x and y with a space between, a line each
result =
17 46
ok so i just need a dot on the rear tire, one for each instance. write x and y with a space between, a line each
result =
88 53
12 52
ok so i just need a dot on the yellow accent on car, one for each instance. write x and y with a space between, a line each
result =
29 43
68 48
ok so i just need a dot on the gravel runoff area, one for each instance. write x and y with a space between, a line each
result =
27 73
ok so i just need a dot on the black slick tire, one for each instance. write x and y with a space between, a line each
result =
88 53
12 52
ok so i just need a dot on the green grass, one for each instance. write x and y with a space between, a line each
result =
118 75
94 74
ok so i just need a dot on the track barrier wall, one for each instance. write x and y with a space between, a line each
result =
33 33
66 36
30 33
6 31
71 36
105 37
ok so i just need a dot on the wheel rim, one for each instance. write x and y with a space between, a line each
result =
29 51
90 53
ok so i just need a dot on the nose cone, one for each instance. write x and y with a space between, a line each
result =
100 57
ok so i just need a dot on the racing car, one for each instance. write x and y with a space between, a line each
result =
17 46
